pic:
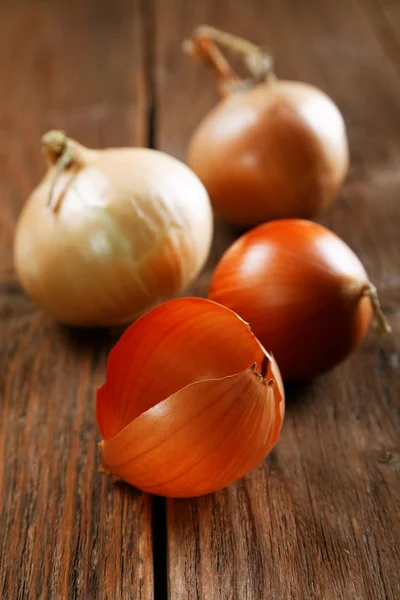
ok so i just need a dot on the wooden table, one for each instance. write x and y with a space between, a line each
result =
320 518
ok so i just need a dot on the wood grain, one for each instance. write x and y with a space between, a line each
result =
320 518
66 532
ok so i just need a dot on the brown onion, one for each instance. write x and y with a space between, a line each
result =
191 403
302 290
270 148
109 233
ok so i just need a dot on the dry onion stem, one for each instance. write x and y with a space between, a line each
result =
191 403
204 46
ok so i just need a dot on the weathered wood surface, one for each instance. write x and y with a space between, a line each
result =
320 519
65 530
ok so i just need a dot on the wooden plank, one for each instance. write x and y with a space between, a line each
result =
319 519
66 532
384 16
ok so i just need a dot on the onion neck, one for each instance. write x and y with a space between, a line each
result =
204 45
60 152
371 292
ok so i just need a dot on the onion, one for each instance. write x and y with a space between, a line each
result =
191 403
302 290
270 148
109 233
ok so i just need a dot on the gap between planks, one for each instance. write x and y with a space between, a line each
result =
158 504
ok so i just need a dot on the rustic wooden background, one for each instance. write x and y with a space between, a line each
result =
320 519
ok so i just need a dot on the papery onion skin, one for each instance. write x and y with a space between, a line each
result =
127 228
300 287
276 150
192 401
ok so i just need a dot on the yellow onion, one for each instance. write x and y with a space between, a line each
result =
191 403
109 233
269 149
302 290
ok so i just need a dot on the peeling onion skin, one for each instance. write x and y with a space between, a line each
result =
192 401
300 287
127 229
276 150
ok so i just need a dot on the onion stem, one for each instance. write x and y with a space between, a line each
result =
203 45
207 52
58 149
380 319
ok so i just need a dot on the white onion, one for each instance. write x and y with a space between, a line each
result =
109 233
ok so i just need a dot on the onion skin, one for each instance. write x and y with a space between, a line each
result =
191 403
300 287
127 228
276 150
